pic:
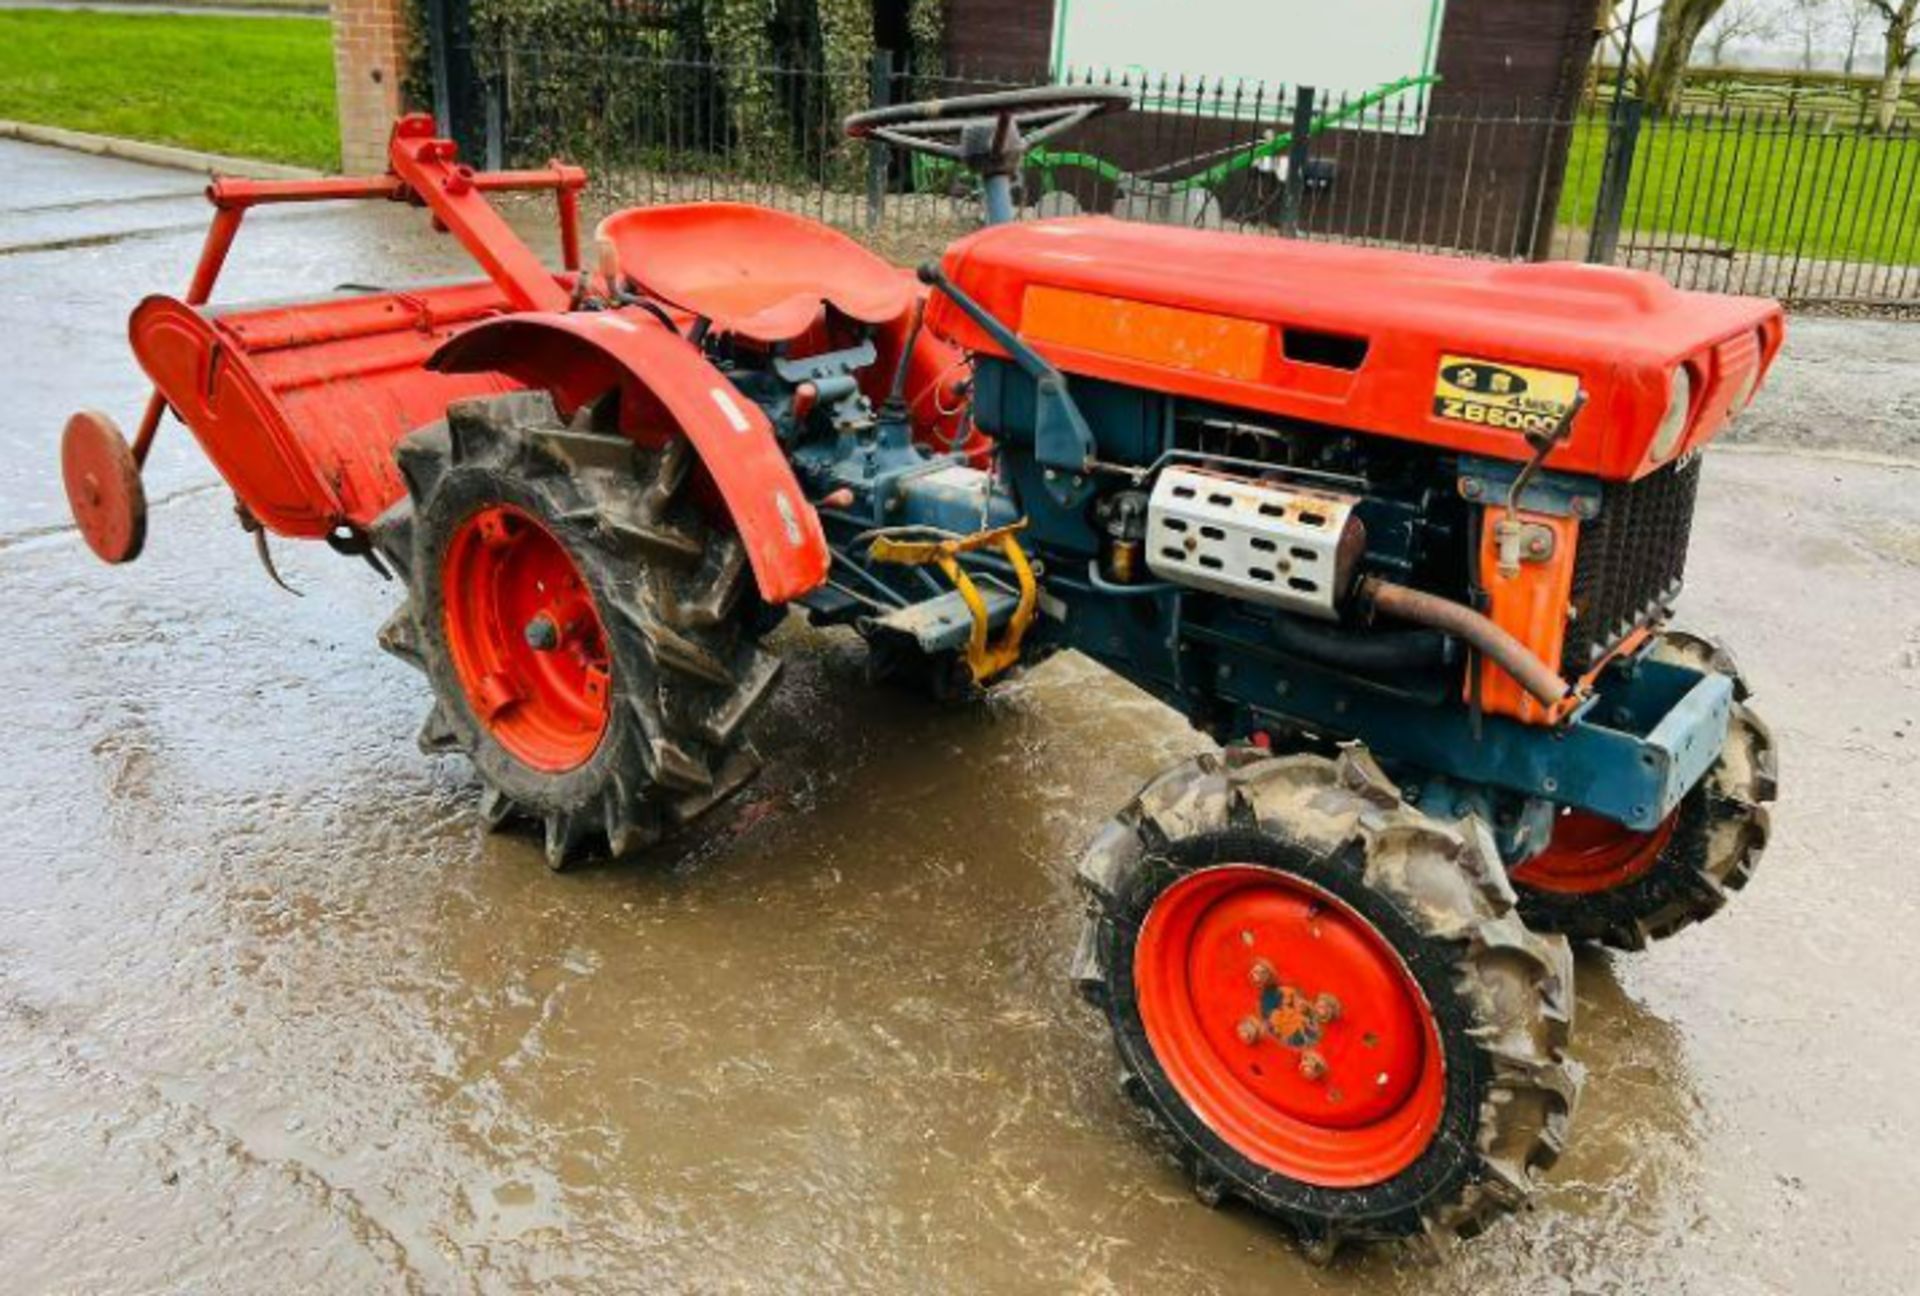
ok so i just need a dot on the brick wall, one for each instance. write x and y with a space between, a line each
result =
369 61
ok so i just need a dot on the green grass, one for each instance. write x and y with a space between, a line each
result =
251 87
1839 196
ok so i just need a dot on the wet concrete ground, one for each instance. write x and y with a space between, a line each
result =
275 1015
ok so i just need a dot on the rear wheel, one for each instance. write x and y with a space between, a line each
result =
589 635
1600 881
1326 1000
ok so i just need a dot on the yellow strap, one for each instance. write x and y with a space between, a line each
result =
984 659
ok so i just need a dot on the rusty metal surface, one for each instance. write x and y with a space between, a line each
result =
276 1014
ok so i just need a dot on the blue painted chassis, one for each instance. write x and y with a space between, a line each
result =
1644 738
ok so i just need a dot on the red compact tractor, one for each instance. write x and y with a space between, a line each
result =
1402 533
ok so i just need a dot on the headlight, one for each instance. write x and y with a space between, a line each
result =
1674 425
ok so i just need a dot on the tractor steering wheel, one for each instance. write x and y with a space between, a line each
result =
989 134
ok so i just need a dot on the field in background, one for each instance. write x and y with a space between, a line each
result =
1764 185
253 87
1842 100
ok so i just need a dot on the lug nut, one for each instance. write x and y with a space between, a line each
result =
1326 1008
1249 1030
1261 973
1312 1065
542 634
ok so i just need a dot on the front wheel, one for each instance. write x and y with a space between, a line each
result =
1326 999
1601 882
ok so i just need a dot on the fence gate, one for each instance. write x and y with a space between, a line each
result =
1806 199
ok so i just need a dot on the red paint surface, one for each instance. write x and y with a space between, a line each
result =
431 171
299 406
673 390
1589 855
767 276
757 274
1622 332
104 491
1377 1105
548 708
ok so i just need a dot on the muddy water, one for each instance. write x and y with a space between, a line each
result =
275 1015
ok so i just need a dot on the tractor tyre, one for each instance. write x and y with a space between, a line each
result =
591 637
1600 882
1326 999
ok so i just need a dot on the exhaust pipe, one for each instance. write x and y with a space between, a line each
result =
1498 646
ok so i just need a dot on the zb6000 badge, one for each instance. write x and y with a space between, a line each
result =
1487 394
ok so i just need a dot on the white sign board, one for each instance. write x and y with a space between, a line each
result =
1342 48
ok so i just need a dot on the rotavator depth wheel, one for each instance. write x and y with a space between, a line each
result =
1599 881
1327 999
589 635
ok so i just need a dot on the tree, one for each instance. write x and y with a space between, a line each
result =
1856 17
1902 18
1681 24
1616 48
1740 20
1810 20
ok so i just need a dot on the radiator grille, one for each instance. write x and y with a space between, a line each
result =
1631 561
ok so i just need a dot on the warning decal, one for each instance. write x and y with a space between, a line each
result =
1507 397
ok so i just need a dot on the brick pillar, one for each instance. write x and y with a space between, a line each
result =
369 60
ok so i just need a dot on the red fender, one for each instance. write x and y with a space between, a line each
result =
579 356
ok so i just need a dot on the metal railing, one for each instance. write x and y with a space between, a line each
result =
1810 208
1813 208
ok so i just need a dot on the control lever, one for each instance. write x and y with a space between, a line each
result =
1510 533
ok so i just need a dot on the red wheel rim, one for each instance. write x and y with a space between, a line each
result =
526 639
1290 1026
1589 855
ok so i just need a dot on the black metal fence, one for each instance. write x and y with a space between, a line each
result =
1815 208
1812 207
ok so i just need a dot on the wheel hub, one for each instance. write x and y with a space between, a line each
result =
1290 1025
526 639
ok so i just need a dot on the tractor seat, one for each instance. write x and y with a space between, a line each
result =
754 273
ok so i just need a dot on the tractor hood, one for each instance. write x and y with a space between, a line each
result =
1468 355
